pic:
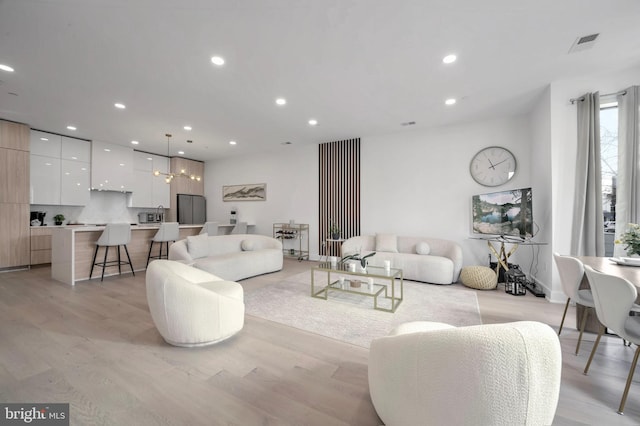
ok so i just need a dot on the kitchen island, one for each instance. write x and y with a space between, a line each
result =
73 248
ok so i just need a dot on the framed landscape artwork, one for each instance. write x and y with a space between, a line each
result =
248 192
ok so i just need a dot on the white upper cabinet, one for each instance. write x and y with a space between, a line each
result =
75 183
60 169
75 150
111 167
149 190
45 180
161 190
45 144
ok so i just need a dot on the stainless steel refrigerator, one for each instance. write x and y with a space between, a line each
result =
192 209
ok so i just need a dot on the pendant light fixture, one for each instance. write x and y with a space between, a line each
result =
168 177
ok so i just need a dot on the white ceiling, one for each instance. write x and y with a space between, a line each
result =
359 67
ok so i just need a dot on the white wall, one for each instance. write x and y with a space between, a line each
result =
291 175
563 148
418 183
413 183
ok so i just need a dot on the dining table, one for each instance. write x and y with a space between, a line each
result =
608 266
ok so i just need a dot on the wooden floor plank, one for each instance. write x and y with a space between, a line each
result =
94 345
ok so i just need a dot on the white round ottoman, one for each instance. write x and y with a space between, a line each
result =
479 277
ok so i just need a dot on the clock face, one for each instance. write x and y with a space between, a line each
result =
493 166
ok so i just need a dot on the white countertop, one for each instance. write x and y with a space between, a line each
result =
90 228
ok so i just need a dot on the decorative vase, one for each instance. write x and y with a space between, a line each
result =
335 236
58 223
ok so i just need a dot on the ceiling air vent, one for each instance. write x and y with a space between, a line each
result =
583 43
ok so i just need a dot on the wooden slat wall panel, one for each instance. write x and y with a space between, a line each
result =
339 191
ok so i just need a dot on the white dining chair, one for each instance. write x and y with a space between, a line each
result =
571 272
614 297
210 228
240 228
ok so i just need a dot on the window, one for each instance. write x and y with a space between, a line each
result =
609 168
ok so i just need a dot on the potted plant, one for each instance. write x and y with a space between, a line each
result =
334 230
58 219
632 239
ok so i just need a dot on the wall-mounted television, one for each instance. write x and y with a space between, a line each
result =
503 213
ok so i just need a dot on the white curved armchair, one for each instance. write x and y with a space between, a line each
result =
191 307
434 374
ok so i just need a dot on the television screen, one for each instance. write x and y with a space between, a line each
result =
504 213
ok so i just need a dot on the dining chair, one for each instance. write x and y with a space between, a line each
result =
571 273
240 228
210 228
614 297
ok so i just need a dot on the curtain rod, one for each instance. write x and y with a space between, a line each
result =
581 98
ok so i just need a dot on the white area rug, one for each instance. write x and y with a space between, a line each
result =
351 318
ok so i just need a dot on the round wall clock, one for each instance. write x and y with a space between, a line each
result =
493 166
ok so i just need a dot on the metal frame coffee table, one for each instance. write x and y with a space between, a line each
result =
374 272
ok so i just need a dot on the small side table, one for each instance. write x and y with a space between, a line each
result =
333 247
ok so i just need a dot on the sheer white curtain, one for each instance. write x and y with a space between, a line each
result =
627 196
587 234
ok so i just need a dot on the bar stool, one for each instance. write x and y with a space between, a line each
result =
114 234
169 231
210 228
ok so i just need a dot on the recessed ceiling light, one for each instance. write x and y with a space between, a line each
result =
449 59
44 139
232 142
313 122
6 68
187 128
121 164
74 158
281 101
150 158
217 60
135 142
72 128
107 150
450 101
47 164
119 105
181 152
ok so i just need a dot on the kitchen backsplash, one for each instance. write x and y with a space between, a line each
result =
103 207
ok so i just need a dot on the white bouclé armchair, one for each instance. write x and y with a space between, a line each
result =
428 373
191 307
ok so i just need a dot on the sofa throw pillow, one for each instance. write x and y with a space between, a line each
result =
387 242
423 248
246 245
198 245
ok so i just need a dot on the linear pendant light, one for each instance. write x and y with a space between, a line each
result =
168 177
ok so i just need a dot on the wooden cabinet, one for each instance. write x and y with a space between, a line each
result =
14 195
111 167
40 245
184 185
14 136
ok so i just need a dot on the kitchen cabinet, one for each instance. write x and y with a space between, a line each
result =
75 183
45 180
60 170
45 144
111 167
149 190
40 245
184 185
14 195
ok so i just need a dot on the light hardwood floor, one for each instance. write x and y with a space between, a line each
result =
95 346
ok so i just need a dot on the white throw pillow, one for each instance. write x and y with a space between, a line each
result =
423 248
198 246
387 242
247 245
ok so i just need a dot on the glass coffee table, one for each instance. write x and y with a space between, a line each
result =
340 278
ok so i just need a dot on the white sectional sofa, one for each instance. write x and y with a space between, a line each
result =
429 260
230 257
